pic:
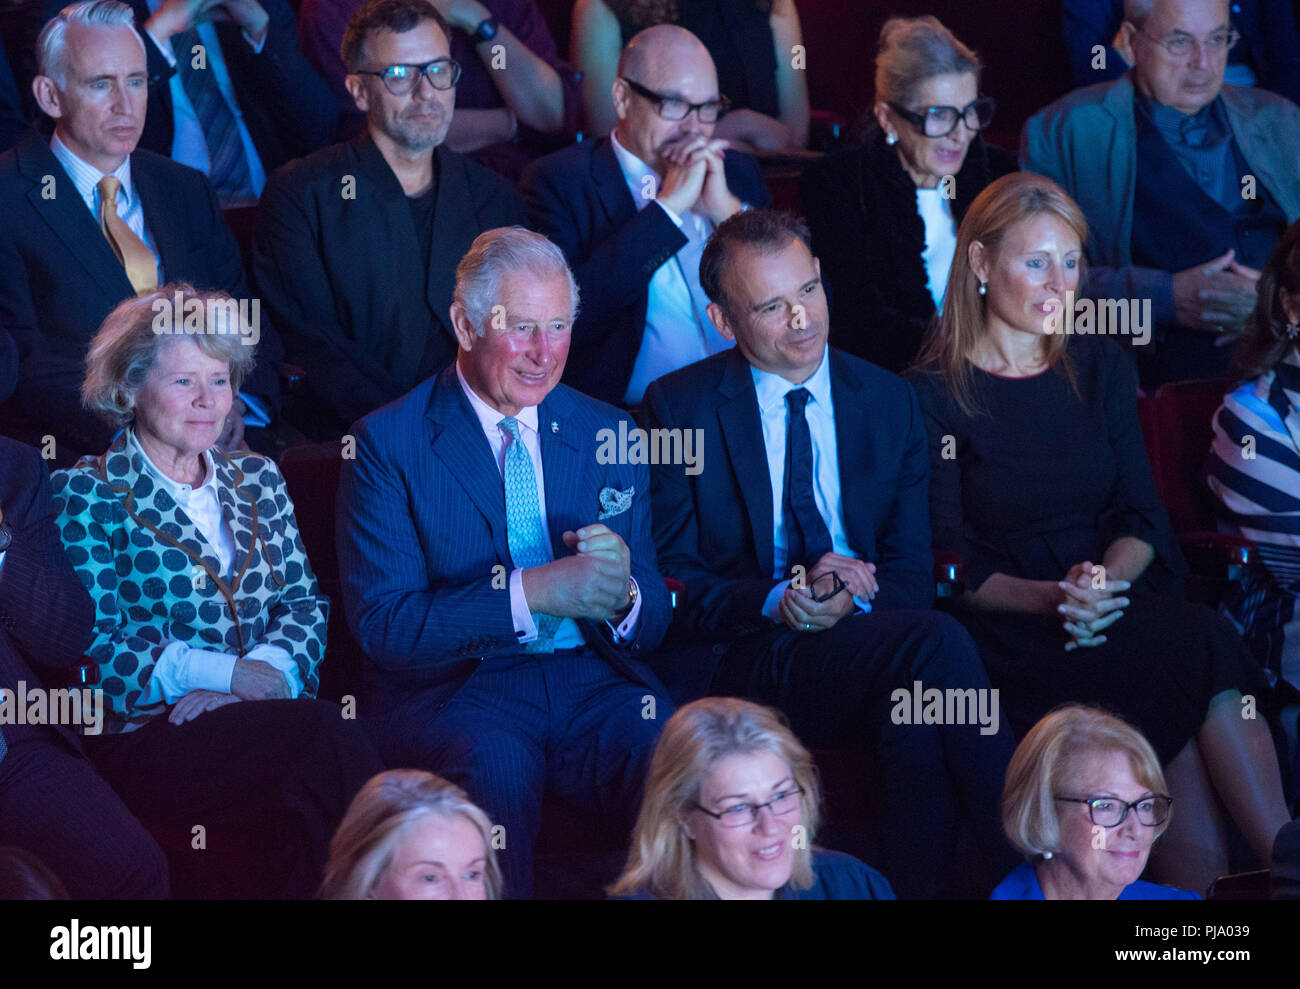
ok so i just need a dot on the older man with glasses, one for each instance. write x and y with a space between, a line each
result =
1186 182
633 211
357 245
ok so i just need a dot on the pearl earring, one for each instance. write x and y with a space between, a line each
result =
984 288
891 139
1047 855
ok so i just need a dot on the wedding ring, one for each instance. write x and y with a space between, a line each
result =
807 627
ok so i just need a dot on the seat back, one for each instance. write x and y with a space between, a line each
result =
1184 427
311 473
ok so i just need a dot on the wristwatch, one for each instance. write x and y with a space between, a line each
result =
486 31
7 537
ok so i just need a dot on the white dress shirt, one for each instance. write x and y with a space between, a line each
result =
940 240
189 145
85 177
182 668
567 635
678 330
771 390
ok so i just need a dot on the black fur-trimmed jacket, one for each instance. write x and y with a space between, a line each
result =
861 208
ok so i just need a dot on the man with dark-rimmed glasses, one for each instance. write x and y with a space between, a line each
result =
357 245
633 210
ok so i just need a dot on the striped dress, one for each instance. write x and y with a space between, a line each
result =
1254 470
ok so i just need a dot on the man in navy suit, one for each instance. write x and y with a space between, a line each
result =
499 570
243 107
632 212
61 271
804 545
52 802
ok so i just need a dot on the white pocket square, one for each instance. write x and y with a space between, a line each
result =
614 502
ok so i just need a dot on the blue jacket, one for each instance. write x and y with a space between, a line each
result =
421 528
1022 884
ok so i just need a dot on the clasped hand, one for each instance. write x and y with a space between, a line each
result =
696 179
1087 610
593 583
803 614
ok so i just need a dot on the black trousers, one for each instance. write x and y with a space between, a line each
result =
835 687
267 781
55 805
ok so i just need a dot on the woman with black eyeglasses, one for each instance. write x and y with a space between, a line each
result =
730 812
884 213
1084 801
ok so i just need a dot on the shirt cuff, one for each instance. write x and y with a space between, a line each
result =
258 46
671 215
181 669
627 627
164 50
864 606
525 627
282 661
255 414
773 600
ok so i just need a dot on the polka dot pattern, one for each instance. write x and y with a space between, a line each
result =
155 580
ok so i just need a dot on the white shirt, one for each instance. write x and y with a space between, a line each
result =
182 668
678 330
940 240
567 635
85 177
189 146
771 390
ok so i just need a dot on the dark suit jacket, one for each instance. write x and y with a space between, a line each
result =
421 529
1285 879
59 277
288 109
13 122
45 613
579 198
338 260
714 529
861 209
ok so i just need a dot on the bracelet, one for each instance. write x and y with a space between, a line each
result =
486 31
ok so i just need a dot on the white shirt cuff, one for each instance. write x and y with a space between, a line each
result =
627 627
282 661
257 48
525 627
181 669
671 215
255 414
773 600
163 49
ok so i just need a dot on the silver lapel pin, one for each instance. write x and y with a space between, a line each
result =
555 426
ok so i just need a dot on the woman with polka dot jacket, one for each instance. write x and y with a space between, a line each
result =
209 625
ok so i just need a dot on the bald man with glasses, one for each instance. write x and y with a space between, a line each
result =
632 212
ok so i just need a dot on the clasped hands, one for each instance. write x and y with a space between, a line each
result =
696 179
803 614
1087 610
251 680
178 16
593 583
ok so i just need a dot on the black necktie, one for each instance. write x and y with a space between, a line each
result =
807 538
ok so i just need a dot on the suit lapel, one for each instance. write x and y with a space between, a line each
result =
611 187
159 216
402 247
460 444
68 217
562 467
854 449
742 430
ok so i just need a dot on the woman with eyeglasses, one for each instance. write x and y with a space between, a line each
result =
884 213
1084 800
730 812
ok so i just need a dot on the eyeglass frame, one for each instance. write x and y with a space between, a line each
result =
1233 35
423 73
798 791
917 120
658 99
1169 803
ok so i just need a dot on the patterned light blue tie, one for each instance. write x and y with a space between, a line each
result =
529 544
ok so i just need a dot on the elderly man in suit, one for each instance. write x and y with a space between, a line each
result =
804 546
1186 183
633 210
356 245
498 567
52 802
230 94
91 220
